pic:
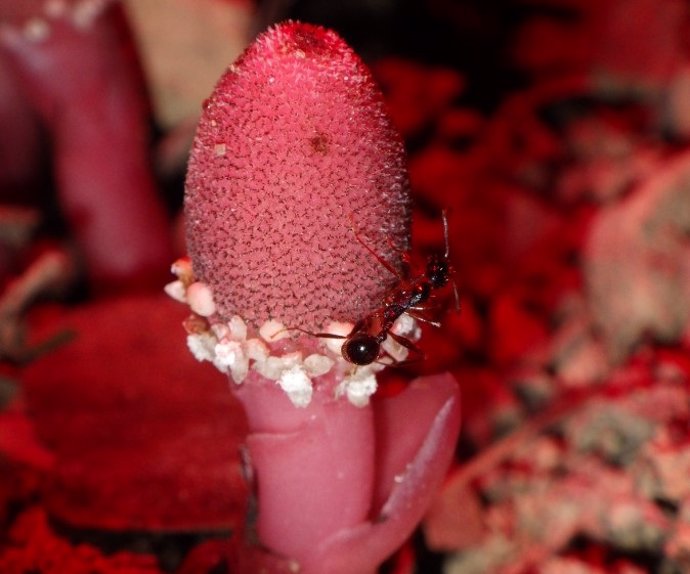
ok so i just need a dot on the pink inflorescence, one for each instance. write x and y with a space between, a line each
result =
297 213
294 158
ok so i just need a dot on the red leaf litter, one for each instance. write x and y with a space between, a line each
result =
144 437
33 546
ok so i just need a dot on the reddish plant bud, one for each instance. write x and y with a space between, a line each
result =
293 156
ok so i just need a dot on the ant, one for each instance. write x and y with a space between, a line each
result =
362 346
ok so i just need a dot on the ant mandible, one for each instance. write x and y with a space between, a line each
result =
362 346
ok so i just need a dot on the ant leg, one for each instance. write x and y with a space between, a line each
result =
395 362
417 313
406 362
391 360
319 335
444 217
423 319
405 342
456 295
446 255
380 259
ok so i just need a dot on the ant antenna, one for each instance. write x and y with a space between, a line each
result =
444 217
446 255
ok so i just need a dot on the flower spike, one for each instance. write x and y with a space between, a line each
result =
294 150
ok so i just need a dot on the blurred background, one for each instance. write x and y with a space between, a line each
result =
556 134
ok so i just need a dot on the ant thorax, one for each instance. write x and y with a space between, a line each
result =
407 295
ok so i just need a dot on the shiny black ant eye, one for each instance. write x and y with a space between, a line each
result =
361 349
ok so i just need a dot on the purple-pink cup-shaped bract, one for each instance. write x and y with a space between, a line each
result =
295 179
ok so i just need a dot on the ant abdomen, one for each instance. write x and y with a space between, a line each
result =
361 349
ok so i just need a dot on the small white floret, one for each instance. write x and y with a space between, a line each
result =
297 385
238 328
256 350
358 387
271 368
407 327
291 359
200 299
317 365
239 371
335 345
272 331
221 331
176 290
377 366
227 354
201 346
397 351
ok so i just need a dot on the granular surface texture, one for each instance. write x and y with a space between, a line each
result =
295 172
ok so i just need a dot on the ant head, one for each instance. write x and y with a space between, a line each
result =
361 349
437 271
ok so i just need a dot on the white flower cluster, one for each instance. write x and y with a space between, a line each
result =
228 347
